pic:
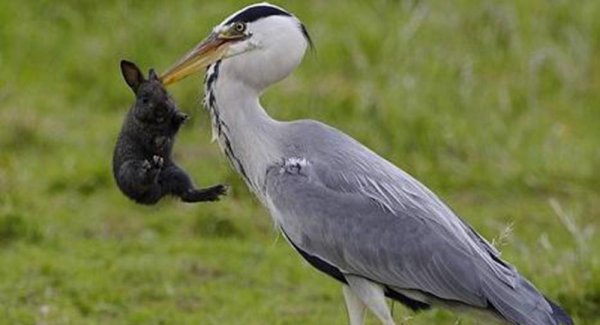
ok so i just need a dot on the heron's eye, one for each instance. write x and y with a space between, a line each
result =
239 27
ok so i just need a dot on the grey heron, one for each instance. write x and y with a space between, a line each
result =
349 212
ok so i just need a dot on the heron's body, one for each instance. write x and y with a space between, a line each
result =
348 211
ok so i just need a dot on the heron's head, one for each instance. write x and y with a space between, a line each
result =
260 45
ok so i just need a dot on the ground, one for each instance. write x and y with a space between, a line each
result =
493 105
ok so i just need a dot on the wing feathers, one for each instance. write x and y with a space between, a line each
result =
361 214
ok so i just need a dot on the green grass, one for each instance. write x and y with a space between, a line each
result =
494 105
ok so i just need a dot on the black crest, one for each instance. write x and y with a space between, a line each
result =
255 13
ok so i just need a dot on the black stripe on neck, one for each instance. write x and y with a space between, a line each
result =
211 105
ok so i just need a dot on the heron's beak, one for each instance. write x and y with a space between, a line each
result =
207 52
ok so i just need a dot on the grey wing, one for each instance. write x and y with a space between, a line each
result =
356 235
357 212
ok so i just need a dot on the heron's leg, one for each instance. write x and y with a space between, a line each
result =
371 294
356 308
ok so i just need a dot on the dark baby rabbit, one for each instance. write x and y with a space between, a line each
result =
142 162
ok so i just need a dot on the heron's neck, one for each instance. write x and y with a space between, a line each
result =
245 132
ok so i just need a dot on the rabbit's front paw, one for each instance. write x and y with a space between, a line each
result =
158 161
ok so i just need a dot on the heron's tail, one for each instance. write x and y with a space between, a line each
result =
559 315
523 304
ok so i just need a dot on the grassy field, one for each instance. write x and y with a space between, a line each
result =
494 105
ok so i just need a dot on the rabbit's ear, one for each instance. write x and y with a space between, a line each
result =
152 75
132 75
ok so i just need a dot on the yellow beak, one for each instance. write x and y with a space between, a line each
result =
207 52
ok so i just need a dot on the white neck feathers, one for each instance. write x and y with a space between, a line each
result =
246 134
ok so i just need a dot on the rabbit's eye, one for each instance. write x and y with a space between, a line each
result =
239 27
